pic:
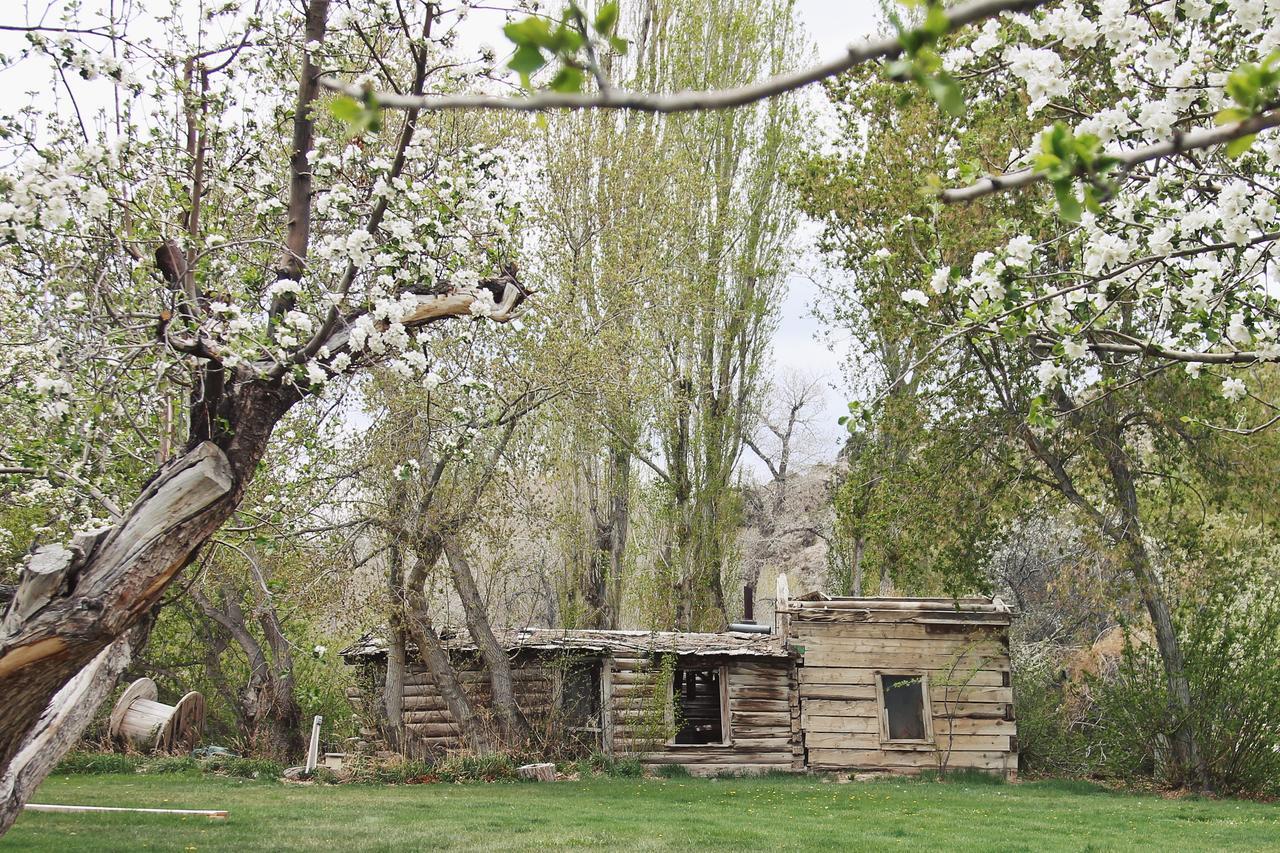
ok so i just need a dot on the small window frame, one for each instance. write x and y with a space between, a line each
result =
883 709
597 667
726 728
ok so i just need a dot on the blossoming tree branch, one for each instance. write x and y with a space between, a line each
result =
177 276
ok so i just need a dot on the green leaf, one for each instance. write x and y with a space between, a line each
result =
607 18
1231 115
1242 86
1068 204
947 93
1091 202
900 69
531 31
1237 147
526 60
567 79
346 109
936 23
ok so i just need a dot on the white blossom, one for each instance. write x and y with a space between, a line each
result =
915 296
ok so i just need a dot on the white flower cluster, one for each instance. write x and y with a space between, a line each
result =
88 64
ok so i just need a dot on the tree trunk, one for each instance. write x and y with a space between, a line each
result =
858 545
116 575
60 727
266 707
436 659
280 727
391 723
1190 766
515 727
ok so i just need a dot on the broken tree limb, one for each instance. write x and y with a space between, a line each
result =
61 725
62 656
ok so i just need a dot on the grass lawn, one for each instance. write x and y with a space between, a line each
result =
678 814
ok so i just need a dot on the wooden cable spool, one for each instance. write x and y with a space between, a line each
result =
150 725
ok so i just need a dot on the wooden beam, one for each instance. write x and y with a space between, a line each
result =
214 814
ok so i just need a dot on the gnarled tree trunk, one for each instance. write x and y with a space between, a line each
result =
56 626
436 658
514 726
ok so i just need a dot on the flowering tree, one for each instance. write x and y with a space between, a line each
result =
178 274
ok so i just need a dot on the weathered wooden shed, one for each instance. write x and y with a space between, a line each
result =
868 684
903 685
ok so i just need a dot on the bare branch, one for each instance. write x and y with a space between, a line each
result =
1181 142
686 101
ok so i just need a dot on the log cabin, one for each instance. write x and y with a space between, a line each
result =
880 685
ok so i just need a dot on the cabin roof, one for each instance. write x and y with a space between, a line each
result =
617 643
990 611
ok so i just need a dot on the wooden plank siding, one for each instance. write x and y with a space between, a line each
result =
963 656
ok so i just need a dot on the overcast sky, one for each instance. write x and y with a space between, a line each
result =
832 24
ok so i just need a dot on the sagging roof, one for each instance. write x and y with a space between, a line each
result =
615 643
972 609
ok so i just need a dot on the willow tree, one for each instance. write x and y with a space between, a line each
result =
177 274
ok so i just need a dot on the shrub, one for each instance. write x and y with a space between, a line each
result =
600 764
170 764
964 776
1051 729
1230 633
476 768
242 768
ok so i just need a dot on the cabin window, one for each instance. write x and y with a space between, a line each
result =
580 695
700 705
905 714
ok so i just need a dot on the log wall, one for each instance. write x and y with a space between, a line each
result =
762 694
965 656
428 721
761 733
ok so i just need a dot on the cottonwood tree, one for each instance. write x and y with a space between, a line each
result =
723 286
1110 270
172 302
595 213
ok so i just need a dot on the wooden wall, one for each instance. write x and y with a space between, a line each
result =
429 722
839 717
760 692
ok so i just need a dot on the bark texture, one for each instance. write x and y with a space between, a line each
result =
514 726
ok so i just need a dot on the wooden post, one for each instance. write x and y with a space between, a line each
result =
606 705
313 752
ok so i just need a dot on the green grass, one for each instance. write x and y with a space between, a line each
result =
651 814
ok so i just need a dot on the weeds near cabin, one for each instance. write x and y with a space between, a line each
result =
963 776
93 763
954 681
600 764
